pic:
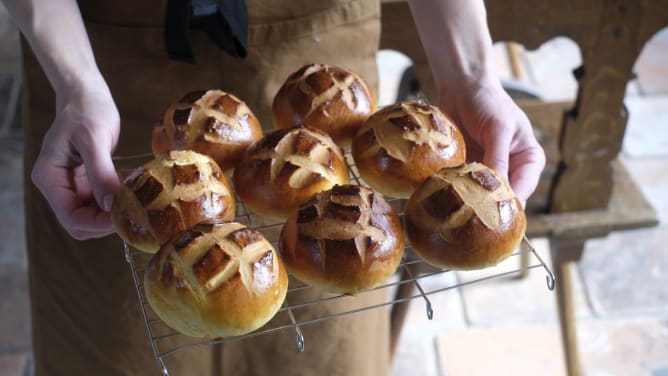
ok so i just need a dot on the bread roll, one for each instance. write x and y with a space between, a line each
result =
168 195
464 218
332 99
216 280
403 144
286 168
212 122
344 240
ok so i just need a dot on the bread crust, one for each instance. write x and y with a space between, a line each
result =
332 99
286 168
344 240
168 195
216 280
403 144
210 122
464 218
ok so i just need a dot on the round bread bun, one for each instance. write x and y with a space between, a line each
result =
216 280
403 144
464 218
344 240
286 168
329 98
211 122
168 195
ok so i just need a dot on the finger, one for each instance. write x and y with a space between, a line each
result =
496 146
71 200
100 169
527 167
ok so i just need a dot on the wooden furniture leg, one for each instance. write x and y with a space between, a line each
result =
565 253
399 311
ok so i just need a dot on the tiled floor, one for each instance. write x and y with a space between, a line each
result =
502 326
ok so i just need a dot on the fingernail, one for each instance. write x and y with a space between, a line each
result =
107 201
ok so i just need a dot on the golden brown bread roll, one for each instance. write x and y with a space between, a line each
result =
168 195
329 98
403 144
211 122
286 168
216 280
344 240
464 218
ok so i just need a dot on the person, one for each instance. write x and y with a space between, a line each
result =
97 78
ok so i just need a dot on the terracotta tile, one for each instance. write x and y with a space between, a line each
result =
627 272
416 352
624 347
10 54
509 300
14 310
652 65
13 364
531 350
12 243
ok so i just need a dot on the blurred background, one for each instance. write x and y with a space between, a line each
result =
505 325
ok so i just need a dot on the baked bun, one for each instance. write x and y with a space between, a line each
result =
212 122
403 144
344 240
464 218
168 195
216 280
332 99
286 168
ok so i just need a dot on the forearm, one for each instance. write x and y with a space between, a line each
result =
57 35
457 42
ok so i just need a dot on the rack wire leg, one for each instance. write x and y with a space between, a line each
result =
564 255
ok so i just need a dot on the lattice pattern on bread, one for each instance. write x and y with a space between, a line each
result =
211 122
453 196
168 195
399 128
344 213
208 256
329 98
302 153
216 279
343 240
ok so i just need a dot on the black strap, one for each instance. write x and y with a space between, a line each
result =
227 28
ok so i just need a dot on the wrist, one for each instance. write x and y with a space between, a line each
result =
81 84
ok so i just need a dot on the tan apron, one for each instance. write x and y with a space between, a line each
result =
86 318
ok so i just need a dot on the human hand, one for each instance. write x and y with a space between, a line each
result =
74 170
498 133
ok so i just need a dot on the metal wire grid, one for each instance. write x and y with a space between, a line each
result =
165 342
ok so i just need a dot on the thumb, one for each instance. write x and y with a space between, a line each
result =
100 170
496 146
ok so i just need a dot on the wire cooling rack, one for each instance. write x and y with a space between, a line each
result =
166 342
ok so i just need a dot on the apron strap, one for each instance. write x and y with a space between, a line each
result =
225 21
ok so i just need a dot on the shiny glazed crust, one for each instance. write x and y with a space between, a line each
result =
211 122
286 168
464 218
168 195
216 280
344 240
334 100
403 144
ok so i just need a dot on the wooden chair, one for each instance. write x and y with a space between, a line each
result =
584 191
